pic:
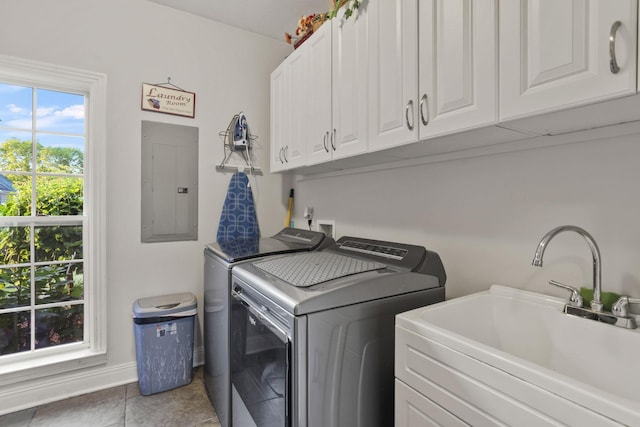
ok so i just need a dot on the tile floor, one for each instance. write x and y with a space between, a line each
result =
124 406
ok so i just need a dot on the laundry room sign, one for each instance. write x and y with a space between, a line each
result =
162 99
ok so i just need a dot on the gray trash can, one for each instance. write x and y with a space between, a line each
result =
164 329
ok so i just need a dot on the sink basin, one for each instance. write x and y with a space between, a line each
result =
589 365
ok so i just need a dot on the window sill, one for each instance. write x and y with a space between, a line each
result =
12 372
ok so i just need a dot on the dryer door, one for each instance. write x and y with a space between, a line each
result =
260 365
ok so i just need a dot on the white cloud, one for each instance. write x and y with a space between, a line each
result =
73 111
17 110
50 118
45 111
53 118
19 123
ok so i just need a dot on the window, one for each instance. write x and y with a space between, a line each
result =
51 218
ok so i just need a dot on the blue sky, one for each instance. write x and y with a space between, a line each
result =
55 112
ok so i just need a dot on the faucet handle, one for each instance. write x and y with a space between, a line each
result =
621 307
575 299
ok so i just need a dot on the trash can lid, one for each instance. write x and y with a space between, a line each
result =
182 304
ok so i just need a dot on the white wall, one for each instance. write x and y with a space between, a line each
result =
486 215
135 41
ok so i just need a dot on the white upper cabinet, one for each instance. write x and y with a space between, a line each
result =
294 151
318 93
433 69
564 53
445 72
349 91
337 69
393 72
457 66
288 113
278 128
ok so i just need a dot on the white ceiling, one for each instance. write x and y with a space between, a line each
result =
271 18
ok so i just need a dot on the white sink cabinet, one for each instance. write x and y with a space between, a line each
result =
512 357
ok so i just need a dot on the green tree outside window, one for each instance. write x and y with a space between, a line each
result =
53 283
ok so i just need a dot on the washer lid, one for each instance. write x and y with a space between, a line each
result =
309 269
285 241
352 271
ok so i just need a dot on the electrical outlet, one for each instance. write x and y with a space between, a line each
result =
308 213
328 227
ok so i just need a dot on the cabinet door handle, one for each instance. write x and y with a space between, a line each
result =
406 113
613 64
424 101
333 140
286 148
324 141
280 155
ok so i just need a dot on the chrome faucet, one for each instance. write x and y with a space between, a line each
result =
596 304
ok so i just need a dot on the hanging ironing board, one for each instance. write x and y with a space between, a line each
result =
238 219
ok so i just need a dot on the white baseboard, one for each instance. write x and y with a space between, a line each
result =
19 396
198 356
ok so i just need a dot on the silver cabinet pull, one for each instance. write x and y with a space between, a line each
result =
333 140
613 64
280 155
424 102
406 114
284 152
324 141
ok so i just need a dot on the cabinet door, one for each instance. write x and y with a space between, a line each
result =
318 94
278 120
415 410
457 64
393 73
350 100
556 54
293 150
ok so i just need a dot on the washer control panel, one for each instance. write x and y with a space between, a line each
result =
374 249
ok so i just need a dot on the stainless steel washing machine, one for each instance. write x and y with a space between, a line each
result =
312 335
219 260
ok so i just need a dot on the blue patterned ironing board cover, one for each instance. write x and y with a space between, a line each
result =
238 219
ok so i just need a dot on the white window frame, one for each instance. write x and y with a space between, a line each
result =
23 367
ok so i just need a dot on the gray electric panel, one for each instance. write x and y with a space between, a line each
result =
169 182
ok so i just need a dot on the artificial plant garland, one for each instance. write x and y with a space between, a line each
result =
351 7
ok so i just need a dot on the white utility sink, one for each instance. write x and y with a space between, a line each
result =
470 355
